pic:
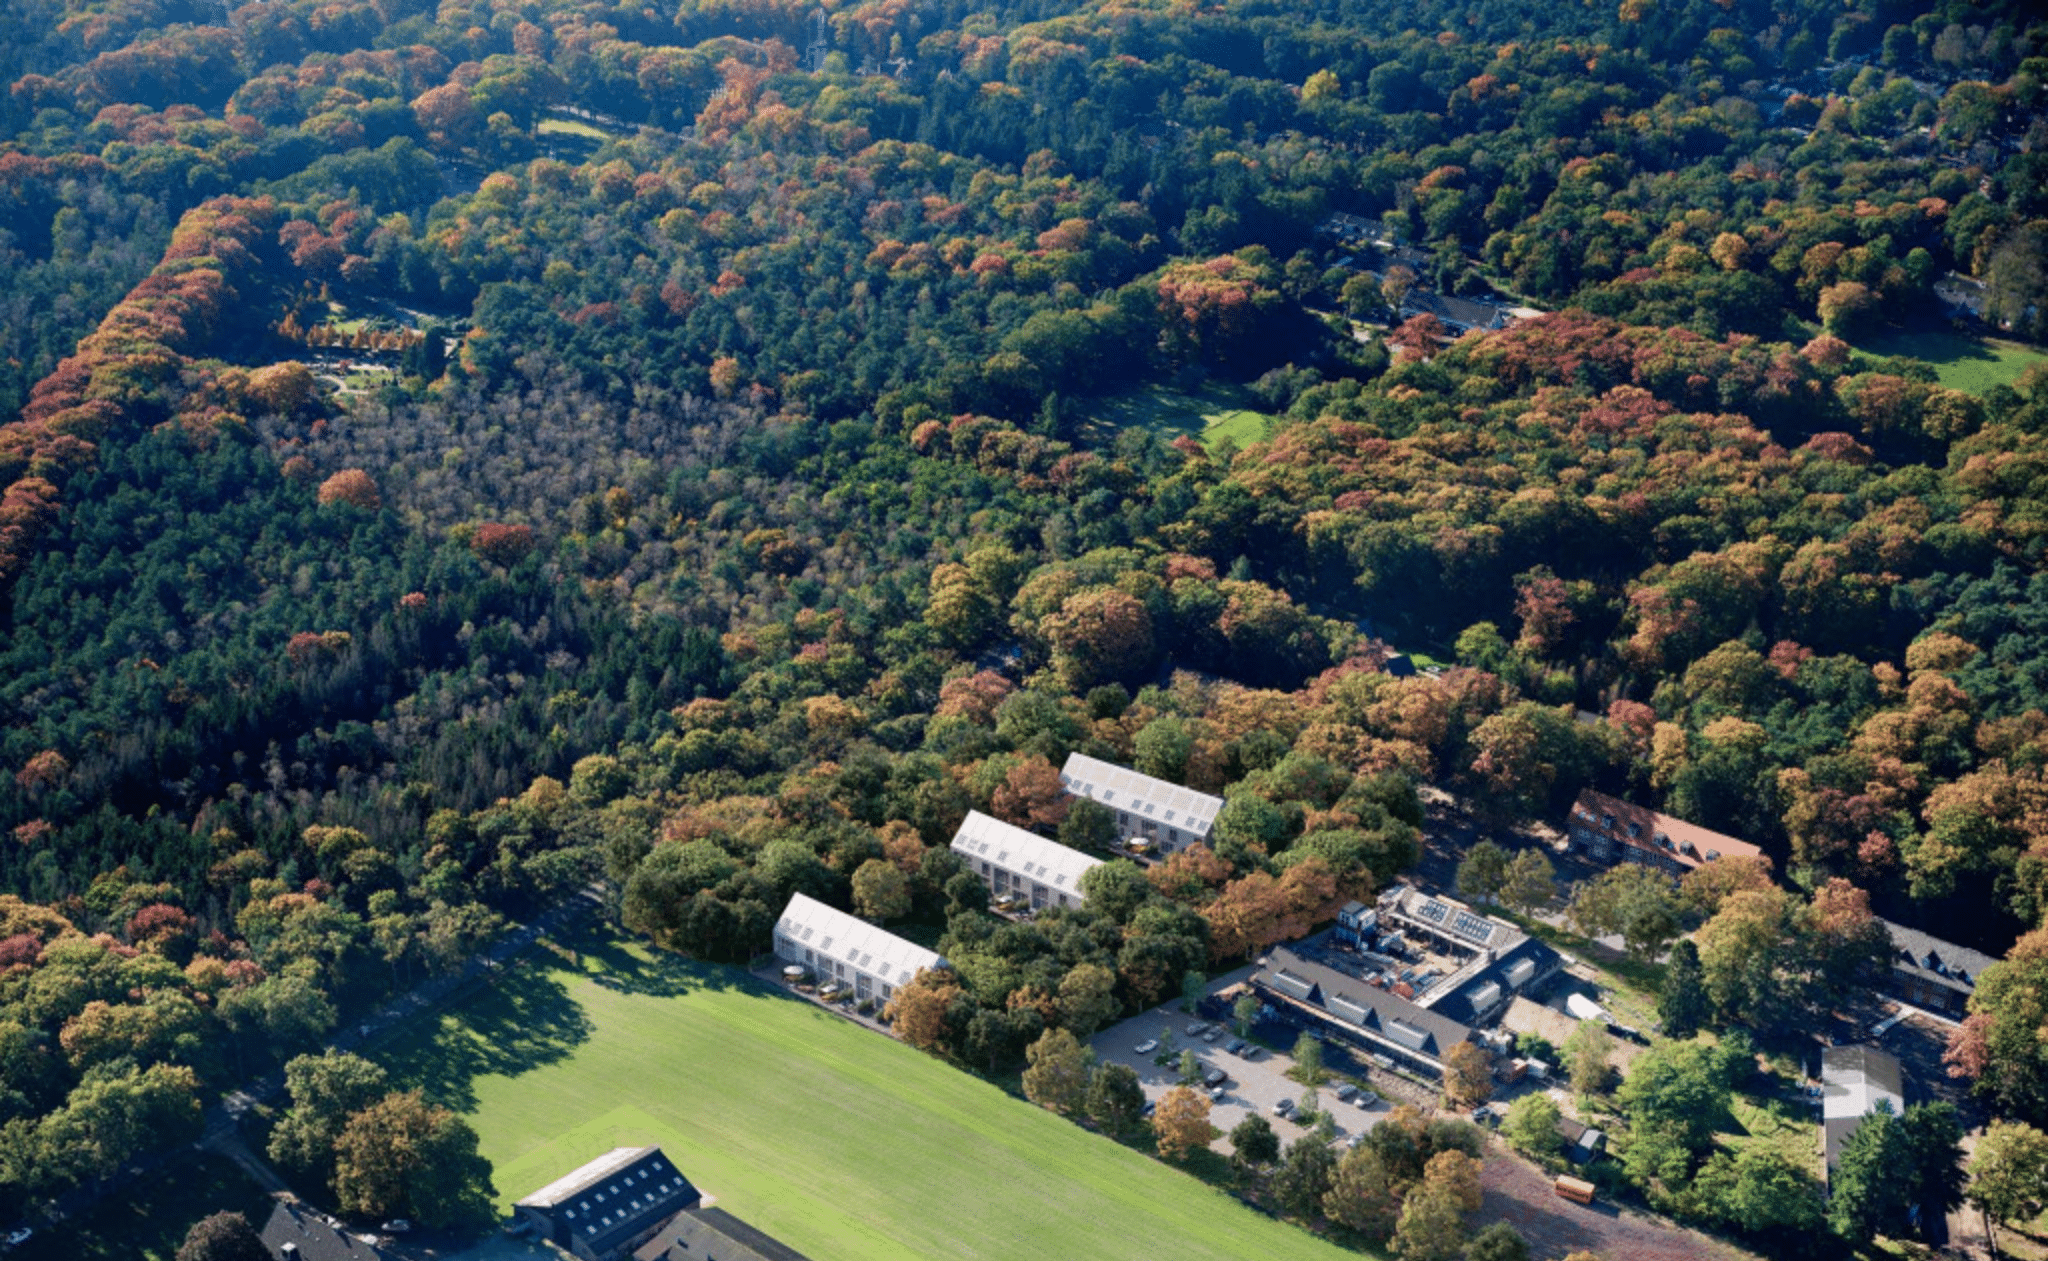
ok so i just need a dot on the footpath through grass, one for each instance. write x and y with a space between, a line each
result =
840 1142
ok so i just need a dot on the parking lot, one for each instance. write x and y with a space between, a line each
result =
1253 1085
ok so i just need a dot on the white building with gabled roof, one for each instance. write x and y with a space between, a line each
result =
1165 817
1011 860
838 946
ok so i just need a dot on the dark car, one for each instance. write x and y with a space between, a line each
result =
1215 1077
1235 1046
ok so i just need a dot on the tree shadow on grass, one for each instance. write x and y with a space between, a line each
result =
527 1020
610 963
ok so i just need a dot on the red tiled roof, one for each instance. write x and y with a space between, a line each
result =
1690 844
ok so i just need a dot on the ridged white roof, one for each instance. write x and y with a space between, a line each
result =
837 935
1012 848
1121 788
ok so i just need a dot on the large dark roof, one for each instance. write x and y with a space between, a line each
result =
712 1234
1384 1016
1460 312
1458 1004
1930 958
615 1197
312 1237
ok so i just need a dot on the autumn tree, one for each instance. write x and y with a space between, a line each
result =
502 544
919 1011
1181 1122
1468 1076
1431 1226
1587 1054
1031 795
351 486
405 1157
1363 1197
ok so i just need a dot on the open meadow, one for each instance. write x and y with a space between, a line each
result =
840 1142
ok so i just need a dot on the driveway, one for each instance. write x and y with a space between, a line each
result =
1523 1196
1255 1085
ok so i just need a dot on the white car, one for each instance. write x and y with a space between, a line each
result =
1146 1047
19 1235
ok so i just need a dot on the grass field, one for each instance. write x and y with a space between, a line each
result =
1970 364
840 1142
571 127
1210 414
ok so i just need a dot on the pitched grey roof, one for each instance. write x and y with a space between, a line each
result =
1141 795
712 1234
1012 848
311 1237
1932 959
1373 1011
1457 312
615 1197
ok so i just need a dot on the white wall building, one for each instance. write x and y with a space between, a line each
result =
1011 860
1165 816
835 945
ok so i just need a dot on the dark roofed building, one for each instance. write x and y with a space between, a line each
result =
611 1205
1379 1022
297 1233
1936 975
1461 314
712 1234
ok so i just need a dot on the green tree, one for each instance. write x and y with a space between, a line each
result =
1431 1226
1632 901
1056 1072
1587 1054
1115 1099
1244 1012
881 892
1363 1197
1089 827
1531 881
1497 1242
1190 1068
1484 873
1681 1087
325 1091
1116 888
1087 998
1303 1178
1308 1060
1531 1126
222 1237
1253 1141
1193 988
1161 748
1867 1189
405 1157
2009 1172
1683 1005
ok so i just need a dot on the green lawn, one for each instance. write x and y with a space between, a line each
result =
1211 414
836 1140
571 127
1970 364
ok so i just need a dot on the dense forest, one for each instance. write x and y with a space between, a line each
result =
456 454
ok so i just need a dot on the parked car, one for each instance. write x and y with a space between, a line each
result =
1211 1036
1149 1108
1235 1046
1195 1028
397 1226
1284 1108
1216 1093
1215 1077
19 1235
1366 1099
1254 1051
1146 1047
1346 1091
